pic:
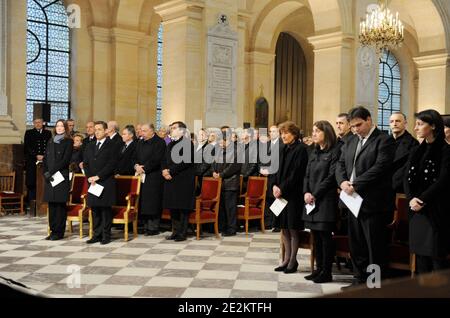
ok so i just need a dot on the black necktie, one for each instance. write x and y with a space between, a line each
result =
124 148
98 147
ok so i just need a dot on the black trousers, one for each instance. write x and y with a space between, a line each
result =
368 236
102 217
428 264
269 217
228 211
57 217
180 222
325 250
151 222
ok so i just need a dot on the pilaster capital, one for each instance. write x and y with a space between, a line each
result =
331 41
178 10
432 61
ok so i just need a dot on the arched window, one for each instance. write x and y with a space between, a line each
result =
48 58
389 89
159 78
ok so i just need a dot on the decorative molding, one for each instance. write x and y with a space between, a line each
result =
432 61
100 34
126 36
331 41
222 29
180 10
257 57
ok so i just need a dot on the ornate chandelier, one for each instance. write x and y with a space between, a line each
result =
381 29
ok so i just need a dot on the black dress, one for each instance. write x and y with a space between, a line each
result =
428 179
293 162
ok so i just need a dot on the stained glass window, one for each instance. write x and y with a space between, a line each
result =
159 78
389 89
48 58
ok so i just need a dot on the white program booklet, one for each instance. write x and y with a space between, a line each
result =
96 189
142 177
70 176
310 208
57 179
278 206
353 202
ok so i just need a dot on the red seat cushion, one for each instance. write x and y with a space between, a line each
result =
72 210
119 212
10 195
204 215
251 212
208 205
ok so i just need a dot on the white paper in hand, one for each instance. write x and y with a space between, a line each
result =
96 190
353 202
57 179
143 178
310 208
70 176
278 206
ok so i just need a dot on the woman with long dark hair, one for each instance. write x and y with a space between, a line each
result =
320 190
289 186
427 187
57 159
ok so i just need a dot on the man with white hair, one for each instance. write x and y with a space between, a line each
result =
113 134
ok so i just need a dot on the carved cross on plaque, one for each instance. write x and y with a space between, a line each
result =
223 19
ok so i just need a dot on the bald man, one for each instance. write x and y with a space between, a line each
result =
404 144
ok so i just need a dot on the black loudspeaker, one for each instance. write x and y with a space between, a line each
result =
247 125
41 110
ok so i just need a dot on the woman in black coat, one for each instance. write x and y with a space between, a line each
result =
320 189
179 185
57 159
289 186
427 187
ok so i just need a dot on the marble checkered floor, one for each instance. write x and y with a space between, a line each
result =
232 267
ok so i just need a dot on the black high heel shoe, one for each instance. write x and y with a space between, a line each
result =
291 270
281 268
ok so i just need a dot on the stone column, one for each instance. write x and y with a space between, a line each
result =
184 61
333 75
3 40
434 88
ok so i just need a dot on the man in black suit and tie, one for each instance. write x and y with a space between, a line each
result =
113 134
365 167
35 144
99 165
90 137
125 165
404 144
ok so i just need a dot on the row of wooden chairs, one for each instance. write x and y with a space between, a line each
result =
10 201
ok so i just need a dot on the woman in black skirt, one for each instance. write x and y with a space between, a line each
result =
57 159
289 186
427 187
320 189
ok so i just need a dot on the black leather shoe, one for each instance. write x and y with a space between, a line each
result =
171 237
180 238
93 240
48 238
324 277
276 230
229 234
55 238
314 274
104 242
280 268
291 270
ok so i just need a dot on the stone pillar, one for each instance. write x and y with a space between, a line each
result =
333 75
261 70
366 83
101 73
433 90
13 59
184 61
125 75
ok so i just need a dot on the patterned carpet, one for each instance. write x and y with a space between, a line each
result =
232 267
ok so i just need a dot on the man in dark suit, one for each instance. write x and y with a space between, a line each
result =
125 165
365 167
404 143
71 126
99 165
270 169
113 134
35 143
90 137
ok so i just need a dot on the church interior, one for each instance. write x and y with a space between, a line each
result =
209 64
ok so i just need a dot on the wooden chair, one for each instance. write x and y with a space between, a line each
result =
207 205
77 210
399 254
126 209
255 201
10 201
